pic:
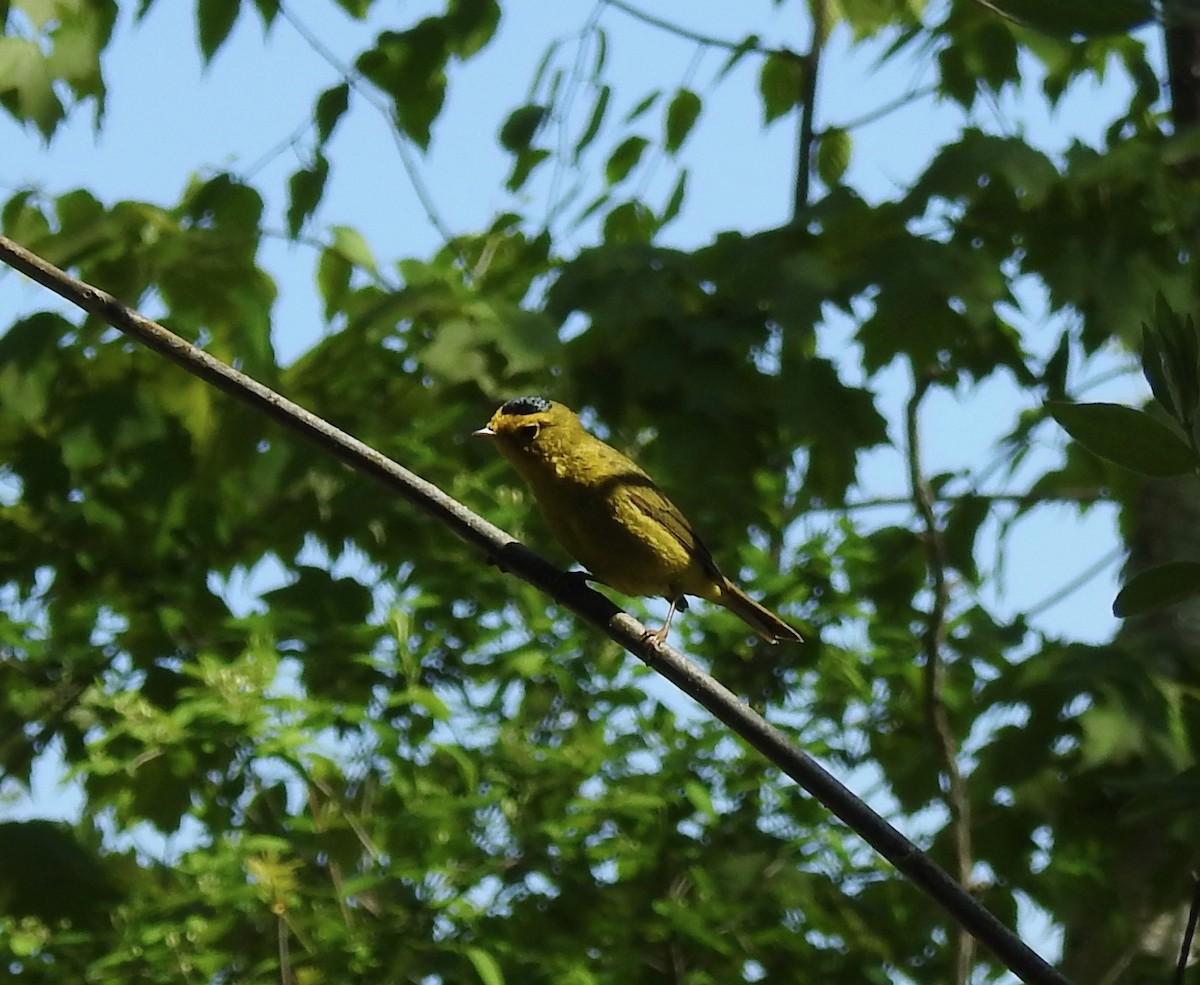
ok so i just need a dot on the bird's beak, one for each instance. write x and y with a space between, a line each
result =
483 433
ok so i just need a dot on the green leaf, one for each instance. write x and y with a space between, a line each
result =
410 67
1171 361
350 243
699 797
624 159
1155 372
527 160
333 280
46 873
833 155
522 124
744 47
28 92
1094 19
1175 795
331 106
681 117
485 966
470 25
781 85
1054 376
675 199
962 528
595 120
642 107
214 21
1127 437
629 222
304 193
268 10
1156 588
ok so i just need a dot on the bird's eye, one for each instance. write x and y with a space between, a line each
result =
528 432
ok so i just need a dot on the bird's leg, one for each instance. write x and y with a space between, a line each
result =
659 636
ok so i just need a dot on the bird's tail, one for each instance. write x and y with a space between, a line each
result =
758 617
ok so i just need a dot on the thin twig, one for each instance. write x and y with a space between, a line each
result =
957 800
879 112
688 34
571 592
1185 947
1074 496
589 31
1004 14
1076 583
355 80
808 110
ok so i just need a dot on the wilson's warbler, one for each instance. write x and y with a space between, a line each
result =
611 516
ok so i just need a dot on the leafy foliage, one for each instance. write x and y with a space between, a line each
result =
372 757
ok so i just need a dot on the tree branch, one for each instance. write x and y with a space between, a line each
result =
808 110
511 556
688 34
956 796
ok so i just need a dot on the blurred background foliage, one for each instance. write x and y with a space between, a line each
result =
398 765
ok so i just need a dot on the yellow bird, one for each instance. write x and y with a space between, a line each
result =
612 518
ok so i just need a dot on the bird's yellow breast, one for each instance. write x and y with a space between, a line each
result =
594 502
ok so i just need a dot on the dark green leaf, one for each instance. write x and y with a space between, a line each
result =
962 528
642 107
675 200
1180 794
214 21
522 124
595 120
1094 19
1127 437
1156 588
624 159
268 10
471 24
1155 373
1178 350
410 67
331 105
304 193
681 117
744 47
527 160
1054 376
46 873
629 222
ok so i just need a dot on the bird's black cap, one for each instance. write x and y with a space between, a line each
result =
526 405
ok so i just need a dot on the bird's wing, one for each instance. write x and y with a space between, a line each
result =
650 500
